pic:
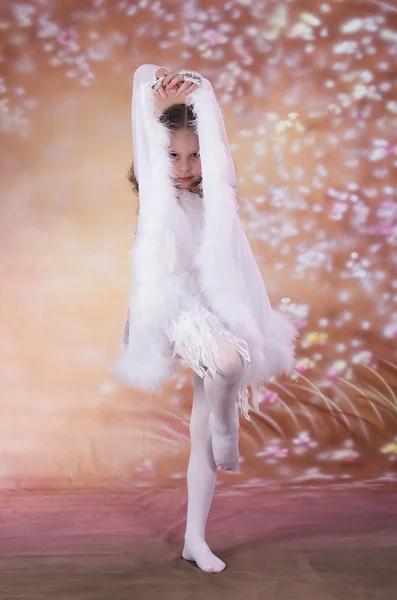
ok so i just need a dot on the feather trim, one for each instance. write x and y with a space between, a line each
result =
221 286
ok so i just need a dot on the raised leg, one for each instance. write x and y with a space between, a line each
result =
221 392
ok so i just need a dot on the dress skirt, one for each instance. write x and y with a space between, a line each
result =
191 336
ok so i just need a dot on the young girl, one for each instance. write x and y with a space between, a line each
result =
196 293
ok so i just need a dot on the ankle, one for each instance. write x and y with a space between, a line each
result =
194 537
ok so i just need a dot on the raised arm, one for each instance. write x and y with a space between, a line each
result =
145 74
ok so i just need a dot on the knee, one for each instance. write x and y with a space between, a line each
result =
231 366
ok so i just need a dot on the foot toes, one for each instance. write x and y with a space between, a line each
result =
200 553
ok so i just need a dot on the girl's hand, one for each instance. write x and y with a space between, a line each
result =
161 91
174 83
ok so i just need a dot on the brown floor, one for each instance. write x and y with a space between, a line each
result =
315 544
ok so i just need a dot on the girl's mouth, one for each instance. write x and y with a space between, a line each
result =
185 178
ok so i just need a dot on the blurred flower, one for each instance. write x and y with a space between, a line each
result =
336 369
337 209
303 442
390 330
363 357
301 30
147 467
310 19
304 364
313 338
269 397
66 36
214 37
292 121
392 106
390 449
347 455
274 451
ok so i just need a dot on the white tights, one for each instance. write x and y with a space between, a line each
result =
214 443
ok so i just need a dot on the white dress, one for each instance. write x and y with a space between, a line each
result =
190 329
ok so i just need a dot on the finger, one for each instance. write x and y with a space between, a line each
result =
168 77
190 90
160 92
175 88
185 86
174 81
162 71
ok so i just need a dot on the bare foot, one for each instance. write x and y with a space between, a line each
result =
225 444
199 552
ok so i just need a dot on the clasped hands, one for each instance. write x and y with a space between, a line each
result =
173 83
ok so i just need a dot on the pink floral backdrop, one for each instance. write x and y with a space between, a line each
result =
308 92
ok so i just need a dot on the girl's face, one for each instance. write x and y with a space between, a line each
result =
185 159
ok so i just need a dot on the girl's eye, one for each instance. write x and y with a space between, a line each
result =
196 154
173 155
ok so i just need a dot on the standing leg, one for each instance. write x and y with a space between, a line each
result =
201 477
221 392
